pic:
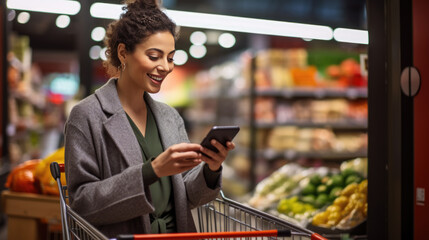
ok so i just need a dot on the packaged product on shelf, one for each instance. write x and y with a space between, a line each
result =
282 138
264 110
325 111
304 140
350 142
304 77
302 110
358 110
346 74
281 77
284 112
322 140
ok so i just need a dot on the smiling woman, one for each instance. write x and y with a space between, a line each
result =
130 167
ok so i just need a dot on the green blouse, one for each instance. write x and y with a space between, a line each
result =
163 218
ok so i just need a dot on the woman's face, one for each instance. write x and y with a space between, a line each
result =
151 62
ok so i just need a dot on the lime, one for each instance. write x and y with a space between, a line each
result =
309 189
298 208
335 192
315 180
335 181
309 199
353 179
347 172
321 200
322 189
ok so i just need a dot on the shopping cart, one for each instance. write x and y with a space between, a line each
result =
222 218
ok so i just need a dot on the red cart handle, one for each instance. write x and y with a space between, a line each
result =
210 235
316 236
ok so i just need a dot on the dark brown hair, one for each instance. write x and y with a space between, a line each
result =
141 19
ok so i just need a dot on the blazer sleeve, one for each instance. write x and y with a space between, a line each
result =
97 194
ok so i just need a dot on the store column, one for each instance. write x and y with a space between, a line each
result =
84 44
421 119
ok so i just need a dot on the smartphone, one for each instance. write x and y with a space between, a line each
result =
222 134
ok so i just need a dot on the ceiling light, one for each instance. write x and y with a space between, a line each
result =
103 54
47 6
106 10
11 15
98 34
226 40
23 17
62 21
198 51
226 23
94 52
198 38
351 35
249 25
180 57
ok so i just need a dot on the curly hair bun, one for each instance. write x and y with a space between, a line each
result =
140 5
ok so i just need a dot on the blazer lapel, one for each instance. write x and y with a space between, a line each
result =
117 124
162 122
122 134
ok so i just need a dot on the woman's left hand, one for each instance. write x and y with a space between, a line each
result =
215 160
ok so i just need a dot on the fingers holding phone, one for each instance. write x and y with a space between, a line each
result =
215 159
177 159
217 144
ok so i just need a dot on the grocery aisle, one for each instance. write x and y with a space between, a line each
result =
300 102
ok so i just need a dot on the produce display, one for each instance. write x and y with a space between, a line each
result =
347 210
323 197
34 176
280 184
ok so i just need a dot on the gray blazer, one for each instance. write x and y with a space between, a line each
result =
103 163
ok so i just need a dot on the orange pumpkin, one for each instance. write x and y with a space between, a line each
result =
21 178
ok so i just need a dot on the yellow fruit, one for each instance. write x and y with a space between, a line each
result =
320 219
349 207
43 173
363 187
341 201
335 217
349 189
333 208
357 196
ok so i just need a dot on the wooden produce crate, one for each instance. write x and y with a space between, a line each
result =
28 214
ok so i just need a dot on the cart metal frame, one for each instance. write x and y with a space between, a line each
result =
221 218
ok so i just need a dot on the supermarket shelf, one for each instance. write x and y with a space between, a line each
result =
216 94
294 154
289 93
309 92
345 124
35 99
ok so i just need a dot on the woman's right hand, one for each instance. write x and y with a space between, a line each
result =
177 159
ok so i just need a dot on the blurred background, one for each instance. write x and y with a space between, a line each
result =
291 73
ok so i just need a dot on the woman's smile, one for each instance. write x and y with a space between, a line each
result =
156 78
